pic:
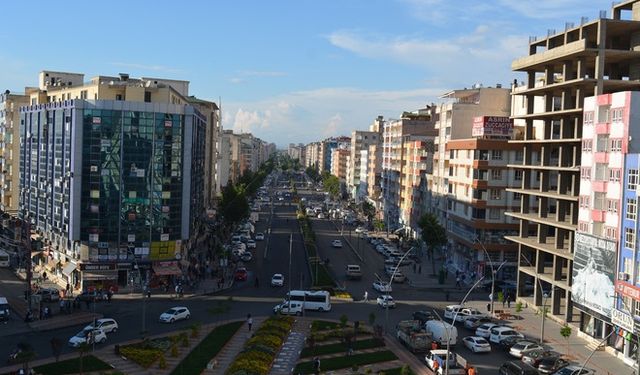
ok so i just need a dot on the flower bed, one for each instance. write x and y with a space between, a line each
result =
340 347
260 351
146 352
336 363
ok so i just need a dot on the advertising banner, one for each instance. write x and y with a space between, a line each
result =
492 127
594 267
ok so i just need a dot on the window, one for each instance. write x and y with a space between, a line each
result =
599 201
602 173
84 94
496 194
588 117
519 155
583 227
585 200
615 145
496 174
517 196
496 154
632 209
452 154
610 233
147 97
518 175
603 142
603 114
585 173
494 213
612 205
614 175
616 114
632 179
629 238
587 144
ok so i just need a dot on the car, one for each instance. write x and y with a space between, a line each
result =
518 349
533 357
382 286
517 368
174 314
508 342
386 301
106 324
399 277
237 252
241 274
477 344
321 216
277 280
451 311
501 332
574 370
423 316
484 330
467 312
474 322
552 364
336 243
91 296
280 199
246 256
288 308
360 230
259 236
87 336
49 294
251 244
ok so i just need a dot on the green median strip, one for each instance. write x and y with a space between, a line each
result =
340 348
323 325
199 357
72 366
329 364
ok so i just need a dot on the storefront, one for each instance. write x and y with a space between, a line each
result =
99 276
625 340
165 273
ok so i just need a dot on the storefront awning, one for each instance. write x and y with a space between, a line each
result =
166 268
69 268
99 275
34 253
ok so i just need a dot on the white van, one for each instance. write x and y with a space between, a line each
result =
441 332
353 272
288 308
4 309
451 311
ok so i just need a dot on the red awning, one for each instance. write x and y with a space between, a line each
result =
166 268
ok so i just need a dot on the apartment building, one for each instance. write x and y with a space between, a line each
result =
339 161
296 152
593 58
417 123
417 163
358 158
477 199
312 155
112 175
454 120
374 168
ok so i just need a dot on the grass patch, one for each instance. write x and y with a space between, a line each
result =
199 357
324 278
323 325
337 363
397 371
72 366
340 348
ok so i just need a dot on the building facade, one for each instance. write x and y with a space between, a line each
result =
417 163
359 151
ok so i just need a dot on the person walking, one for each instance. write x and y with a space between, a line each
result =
414 268
249 321
509 300
458 281
366 296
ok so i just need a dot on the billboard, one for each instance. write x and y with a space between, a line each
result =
492 127
594 266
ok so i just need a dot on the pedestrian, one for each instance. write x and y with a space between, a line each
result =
148 293
509 300
420 269
177 289
471 371
249 321
219 283
109 295
316 365
257 282
504 301
366 296
458 281
436 365
68 287
446 295
434 345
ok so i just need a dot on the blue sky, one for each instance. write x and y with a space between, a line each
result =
286 70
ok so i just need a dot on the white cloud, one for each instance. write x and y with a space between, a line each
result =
333 126
553 9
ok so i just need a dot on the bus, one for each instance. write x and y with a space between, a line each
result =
4 259
319 300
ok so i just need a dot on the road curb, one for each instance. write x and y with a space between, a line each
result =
353 250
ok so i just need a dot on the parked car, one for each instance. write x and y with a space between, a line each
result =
386 302
399 277
552 364
518 349
533 357
92 296
451 310
49 294
288 308
467 312
477 344
241 274
108 325
502 332
259 236
246 256
251 244
574 370
474 322
277 280
423 316
336 243
508 342
517 368
174 314
88 336
382 286
321 216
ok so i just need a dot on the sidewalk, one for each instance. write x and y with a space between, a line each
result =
575 348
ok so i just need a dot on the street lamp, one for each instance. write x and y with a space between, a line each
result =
393 274
544 298
494 272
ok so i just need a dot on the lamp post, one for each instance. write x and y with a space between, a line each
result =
494 272
289 275
544 302
393 274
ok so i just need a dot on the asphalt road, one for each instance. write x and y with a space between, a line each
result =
246 298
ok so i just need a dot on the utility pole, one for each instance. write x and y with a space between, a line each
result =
26 226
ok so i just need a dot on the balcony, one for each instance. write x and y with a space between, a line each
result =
569 51
548 246
549 220
546 194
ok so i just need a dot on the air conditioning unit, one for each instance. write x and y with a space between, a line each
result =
623 276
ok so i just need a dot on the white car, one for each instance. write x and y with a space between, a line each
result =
360 230
277 280
386 302
467 312
477 344
500 333
474 322
259 236
246 256
288 308
382 287
107 325
88 336
251 244
174 314
484 330
321 216
451 311
336 243
574 370
518 349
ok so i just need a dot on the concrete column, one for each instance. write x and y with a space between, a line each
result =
556 298
599 68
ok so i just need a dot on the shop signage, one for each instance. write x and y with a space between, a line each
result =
627 290
495 126
622 320
97 267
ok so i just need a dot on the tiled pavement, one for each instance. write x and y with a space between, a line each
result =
234 346
288 356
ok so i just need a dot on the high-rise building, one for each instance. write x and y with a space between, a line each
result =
339 157
360 142
112 175
374 167
417 163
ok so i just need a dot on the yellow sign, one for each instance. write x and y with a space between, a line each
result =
162 250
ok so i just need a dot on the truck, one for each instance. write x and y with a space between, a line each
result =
456 363
442 332
411 334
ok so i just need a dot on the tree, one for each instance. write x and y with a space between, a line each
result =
433 235
343 320
25 355
331 184
566 333
233 206
82 349
378 225
56 347
369 211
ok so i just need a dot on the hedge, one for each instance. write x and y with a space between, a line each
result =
340 347
336 363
